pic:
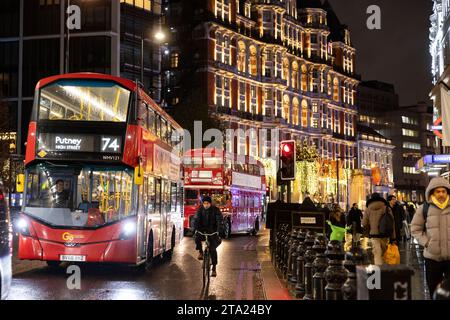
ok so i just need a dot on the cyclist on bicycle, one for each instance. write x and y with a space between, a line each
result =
208 219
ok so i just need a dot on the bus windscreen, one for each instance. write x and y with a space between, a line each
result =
78 197
84 100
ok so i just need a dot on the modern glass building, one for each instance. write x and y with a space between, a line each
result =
115 37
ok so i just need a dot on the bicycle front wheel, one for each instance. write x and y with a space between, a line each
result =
206 267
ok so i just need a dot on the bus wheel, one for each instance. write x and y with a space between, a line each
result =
226 229
53 264
256 228
149 259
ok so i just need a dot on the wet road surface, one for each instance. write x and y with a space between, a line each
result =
239 277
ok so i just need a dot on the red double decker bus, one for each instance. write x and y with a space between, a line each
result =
102 178
235 183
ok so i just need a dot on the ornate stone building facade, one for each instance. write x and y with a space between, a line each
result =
270 64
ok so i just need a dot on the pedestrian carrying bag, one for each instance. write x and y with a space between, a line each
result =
386 226
337 233
392 255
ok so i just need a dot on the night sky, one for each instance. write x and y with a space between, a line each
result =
398 53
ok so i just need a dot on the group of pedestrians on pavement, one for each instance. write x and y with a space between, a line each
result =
385 222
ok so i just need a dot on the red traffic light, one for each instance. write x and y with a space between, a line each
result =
286 148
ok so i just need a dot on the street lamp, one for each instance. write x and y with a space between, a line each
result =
159 37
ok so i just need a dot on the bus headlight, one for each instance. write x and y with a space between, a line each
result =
22 227
128 230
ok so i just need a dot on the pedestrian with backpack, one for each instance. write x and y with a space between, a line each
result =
378 224
431 228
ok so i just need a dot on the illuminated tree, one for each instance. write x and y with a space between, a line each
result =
307 168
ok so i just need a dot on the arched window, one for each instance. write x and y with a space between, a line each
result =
304 113
242 52
294 82
253 61
286 105
329 85
336 89
295 106
304 78
286 70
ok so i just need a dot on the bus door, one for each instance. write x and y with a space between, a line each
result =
142 205
158 209
165 206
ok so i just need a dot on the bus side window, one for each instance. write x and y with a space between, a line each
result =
143 114
151 121
158 195
151 195
158 126
173 197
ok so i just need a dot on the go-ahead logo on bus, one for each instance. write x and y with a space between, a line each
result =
67 236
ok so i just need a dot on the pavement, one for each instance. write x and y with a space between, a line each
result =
245 272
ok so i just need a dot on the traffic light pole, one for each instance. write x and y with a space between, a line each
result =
288 192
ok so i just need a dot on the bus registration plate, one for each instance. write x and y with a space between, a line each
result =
72 258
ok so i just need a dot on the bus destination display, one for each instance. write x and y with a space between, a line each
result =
51 142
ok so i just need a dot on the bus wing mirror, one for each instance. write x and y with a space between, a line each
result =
138 176
20 183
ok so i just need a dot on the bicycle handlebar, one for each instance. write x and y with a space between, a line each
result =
205 234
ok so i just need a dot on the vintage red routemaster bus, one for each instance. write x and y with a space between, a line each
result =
102 178
236 185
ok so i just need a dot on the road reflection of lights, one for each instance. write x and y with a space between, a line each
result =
127 294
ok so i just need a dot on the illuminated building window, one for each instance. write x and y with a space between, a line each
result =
411 145
337 122
410 133
286 106
223 48
409 120
222 98
336 89
242 87
304 78
268 101
174 60
285 74
253 105
329 85
253 61
242 52
295 111
144 4
223 9
304 114
410 170
294 82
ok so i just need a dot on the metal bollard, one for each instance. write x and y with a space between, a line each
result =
287 245
279 245
309 256
320 264
335 274
292 248
301 236
300 286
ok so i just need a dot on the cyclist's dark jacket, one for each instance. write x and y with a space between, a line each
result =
208 221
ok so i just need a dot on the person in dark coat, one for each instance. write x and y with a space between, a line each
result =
399 215
355 216
208 219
